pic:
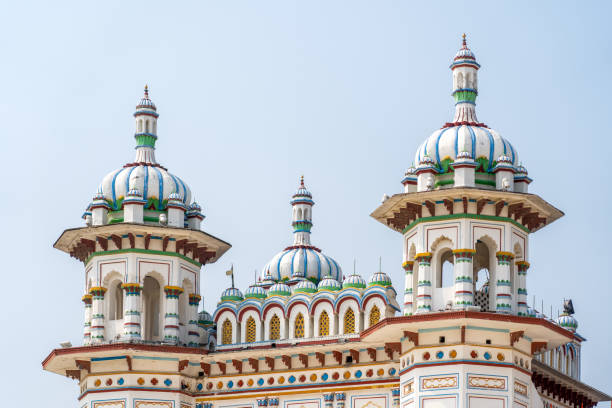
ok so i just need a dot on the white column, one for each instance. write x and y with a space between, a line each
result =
408 291
97 316
340 399
521 300
464 279
424 282
193 330
395 394
503 286
328 398
171 321
132 325
87 319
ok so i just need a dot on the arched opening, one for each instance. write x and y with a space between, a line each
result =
323 324
374 315
183 302
460 80
154 127
484 290
298 326
275 328
147 126
251 330
151 313
349 321
115 297
299 214
226 332
446 272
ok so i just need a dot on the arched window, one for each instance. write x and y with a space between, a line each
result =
151 308
226 330
299 214
275 328
323 324
154 127
298 330
147 126
115 297
349 321
374 315
251 330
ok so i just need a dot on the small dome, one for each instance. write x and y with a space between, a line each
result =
302 191
426 161
255 292
464 53
175 197
380 278
279 289
205 317
568 322
531 312
521 170
410 172
195 207
504 159
354 281
145 102
305 286
329 283
99 195
464 155
134 192
231 294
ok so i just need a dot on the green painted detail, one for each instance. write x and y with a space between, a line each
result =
437 329
441 183
483 165
487 329
305 290
445 164
330 288
302 226
465 96
236 298
485 182
143 251
356 285
145 140
457 216
255 296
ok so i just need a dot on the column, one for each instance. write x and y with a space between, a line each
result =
193 330
408 294
503 286
328 398
131 311
97 314
424 282
521 300
87 318
464 280
262 402
340 398
171 321
273 402
395 394
207 405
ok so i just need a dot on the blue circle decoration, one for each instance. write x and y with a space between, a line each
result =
120 381
291 379
325 376
487 355
260 382
168 382
358 374
392 371
230 384
199 387
439 354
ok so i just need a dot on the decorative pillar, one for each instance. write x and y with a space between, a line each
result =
131 311
273 402
207 405
97 314
193 330
464 280
171 322
87 318
408 294
262 402
340 398
328 398
424 282
503 286
521 300
395 393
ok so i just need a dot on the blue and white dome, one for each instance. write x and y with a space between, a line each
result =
354 281
329 283
306 262
231 294
305 286
279 289
379 278
255 292
568 322
205 317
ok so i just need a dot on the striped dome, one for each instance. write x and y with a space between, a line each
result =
329 283
255 292
205 317
354 281
380 278
231 294
305 286
306 262
279 289
567 322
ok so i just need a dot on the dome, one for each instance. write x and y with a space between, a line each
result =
305 286
231 294
329 283
354 281
521 170
145 102
255 292
307 262
134 192
531 312
195 207
464 155
205 317
175 197
279 289
302 192
568 322
380 278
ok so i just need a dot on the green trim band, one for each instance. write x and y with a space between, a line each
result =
458 216
486 182
143 251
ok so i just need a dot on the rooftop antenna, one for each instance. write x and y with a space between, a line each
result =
354 266
231 273
380 264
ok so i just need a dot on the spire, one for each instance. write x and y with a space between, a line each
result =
465 84
302 215
146 129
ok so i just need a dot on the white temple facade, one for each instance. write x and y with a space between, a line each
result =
306 334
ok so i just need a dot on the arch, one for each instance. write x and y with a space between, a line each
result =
114 297
460 80
346 297
323 329
154 127
299 214
183 302
332 322
221 311
271 305
318 301
146 126
306 214
151 308
299 326
247 308
275 328
374 316
348 326
251 330
295 302
226 332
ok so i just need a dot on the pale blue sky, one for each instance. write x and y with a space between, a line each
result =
252 94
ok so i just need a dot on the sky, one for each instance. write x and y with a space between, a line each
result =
251 95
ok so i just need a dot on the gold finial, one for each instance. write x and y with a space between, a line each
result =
146 91
464 40
302 180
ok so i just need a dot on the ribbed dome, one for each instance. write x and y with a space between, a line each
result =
145 102
329 283
379 278
305 286
306 262
354 281
279 289
231 294
568 322
205 317
255 292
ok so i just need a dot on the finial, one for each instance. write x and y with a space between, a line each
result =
146 91
380 264
464 40
231 273
354 266
302 180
